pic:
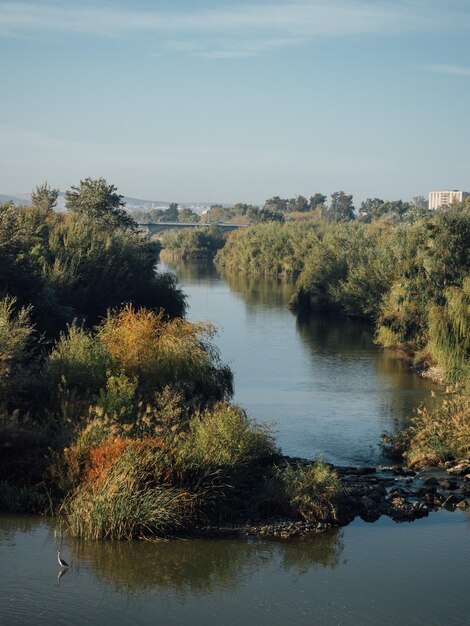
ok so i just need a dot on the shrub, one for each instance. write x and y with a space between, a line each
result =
312 491
442 433
131 499
225 437
161 353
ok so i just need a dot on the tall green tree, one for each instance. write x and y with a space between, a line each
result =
44 198
298 204
276 204
317 200
99 201
341 208
171 214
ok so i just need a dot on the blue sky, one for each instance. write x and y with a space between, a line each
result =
236 101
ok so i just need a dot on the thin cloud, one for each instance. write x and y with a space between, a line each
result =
451 70
251 29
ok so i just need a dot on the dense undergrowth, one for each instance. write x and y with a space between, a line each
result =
411 280
192 243
114 410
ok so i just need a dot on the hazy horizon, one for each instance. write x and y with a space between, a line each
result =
236 101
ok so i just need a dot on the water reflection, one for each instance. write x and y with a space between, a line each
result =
329 390
255 292
190 272
190 567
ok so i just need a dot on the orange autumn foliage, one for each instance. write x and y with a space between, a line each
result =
102 458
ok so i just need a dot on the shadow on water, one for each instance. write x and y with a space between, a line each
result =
190 567
252 290
351 342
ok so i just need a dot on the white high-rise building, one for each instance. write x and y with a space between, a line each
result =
446 197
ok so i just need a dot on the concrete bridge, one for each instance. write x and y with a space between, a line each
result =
153 229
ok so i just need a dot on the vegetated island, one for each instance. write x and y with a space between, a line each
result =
116 413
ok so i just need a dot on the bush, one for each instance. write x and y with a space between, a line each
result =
162 353
439 434
129 500
224 437
313 491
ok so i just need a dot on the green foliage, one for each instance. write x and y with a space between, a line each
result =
130 500
410 278
131 356
44 198
99 201
21 499
375 208
187 215
16 334
170 214
449 332
341 208
193 243
163 353
79 264
224 437
313 490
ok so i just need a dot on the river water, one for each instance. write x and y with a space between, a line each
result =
328 391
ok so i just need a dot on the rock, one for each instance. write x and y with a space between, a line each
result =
448 484
460 469
451 502
465 489
463 504
432 480
398 470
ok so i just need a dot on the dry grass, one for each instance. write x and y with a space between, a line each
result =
440 434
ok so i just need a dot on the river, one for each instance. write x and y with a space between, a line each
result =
327 390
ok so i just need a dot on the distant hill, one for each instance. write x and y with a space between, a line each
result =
19 199
132 204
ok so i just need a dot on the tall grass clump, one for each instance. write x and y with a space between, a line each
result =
449 332
129 497
313 491
16 335
441 433
225 437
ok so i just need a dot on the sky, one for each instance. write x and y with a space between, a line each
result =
228 101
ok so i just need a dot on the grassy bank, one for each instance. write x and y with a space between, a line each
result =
411 280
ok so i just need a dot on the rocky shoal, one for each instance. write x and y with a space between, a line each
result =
397 492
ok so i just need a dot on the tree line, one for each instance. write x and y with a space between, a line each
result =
340 208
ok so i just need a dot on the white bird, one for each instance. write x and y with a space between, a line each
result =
62 563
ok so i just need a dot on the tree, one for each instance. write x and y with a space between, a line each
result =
44 198
99 201
217 214
276 204
171 214
259 216
376 208
341 208
317 200
187 216
419 202
298 204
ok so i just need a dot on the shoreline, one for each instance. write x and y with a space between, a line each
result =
403 494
